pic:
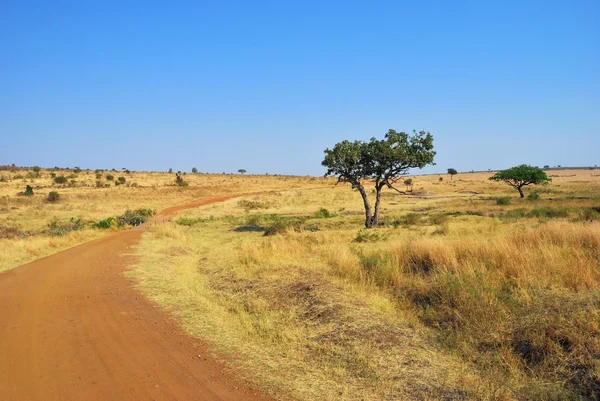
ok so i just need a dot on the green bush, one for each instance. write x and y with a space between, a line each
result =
370 235
56 228
110 177
28 191
323 213
505 200
280 225
53 196
98 176
61 179
106 223
134 217
534 196
121 180
180 181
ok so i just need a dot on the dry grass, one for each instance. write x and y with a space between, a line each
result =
24 220
455 297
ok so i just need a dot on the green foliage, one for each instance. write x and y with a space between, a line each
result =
170 170
504 200
194 170
106 223
409 219
381 160
534 196
452 172
110 177
520 176
52 174
60 179
370 235
56 228
323 213
36 169
134 217
28 191
241 171
121 180
98 176
589 214
53 197
76 170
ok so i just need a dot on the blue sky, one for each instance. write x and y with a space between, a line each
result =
267 86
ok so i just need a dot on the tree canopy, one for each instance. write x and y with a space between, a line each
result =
521 176
452 172
241 171
385 161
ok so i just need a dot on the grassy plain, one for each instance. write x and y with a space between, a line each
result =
25 221
454 297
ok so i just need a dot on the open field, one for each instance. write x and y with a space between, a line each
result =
32 227
456 296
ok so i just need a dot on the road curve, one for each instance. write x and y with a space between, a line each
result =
72 327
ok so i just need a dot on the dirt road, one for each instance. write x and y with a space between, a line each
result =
73 328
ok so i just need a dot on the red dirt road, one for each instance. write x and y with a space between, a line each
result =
72 327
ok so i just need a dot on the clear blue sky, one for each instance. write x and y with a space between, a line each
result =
267 86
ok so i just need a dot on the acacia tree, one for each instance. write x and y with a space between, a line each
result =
521 176
452 172
241 171
385 161
194 170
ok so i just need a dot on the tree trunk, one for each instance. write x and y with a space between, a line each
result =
375 218
521 192
368 217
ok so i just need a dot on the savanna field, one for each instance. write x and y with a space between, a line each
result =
463 292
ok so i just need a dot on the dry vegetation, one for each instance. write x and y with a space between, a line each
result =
35 226
455 297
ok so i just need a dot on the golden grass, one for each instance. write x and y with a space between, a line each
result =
24 220
455 297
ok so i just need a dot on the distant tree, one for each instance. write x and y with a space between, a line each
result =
76 170
36 169
546 167
452 172
170 171
241 171
194 170
521 176
384 161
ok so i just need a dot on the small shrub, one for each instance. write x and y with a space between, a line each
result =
408 219
179 180
18 177
56 228
323 213
534 196
32 175
53 174
121 180
36 169
106 223
505 200
53 197
61 179
110 177
98 176
28 191
134 217
367 235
